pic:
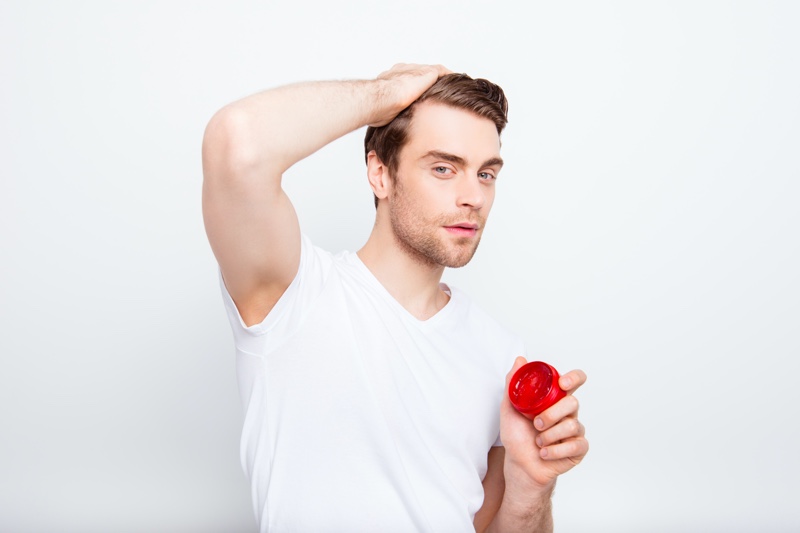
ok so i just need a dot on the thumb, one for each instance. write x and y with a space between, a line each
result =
518 362
516 431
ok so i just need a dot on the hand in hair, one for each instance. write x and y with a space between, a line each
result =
401 85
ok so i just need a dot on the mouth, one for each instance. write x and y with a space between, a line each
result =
464 229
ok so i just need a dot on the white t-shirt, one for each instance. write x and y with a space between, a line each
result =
360 417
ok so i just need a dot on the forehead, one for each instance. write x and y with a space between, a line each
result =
457 131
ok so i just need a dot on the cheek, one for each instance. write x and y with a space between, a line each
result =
427 196
489 200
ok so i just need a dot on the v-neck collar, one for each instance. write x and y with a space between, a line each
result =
440 315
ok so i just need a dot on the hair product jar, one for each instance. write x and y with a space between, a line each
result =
534 388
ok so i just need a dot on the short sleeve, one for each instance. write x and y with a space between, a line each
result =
293 304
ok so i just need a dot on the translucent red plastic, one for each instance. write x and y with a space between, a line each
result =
533 388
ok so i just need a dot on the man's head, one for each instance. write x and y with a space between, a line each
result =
434 168
460 91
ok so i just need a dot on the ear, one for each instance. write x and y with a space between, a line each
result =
378 176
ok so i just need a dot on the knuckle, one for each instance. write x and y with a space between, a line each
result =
575 404
575 448
574 426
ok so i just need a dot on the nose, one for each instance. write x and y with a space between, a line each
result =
471 193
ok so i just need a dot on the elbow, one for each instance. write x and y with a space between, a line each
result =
228 149
238 146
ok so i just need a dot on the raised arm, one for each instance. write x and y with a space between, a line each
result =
250 143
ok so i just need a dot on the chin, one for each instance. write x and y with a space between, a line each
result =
459 260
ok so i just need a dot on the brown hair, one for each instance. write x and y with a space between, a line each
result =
478 96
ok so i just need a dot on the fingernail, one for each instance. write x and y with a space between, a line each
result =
539 442
539 423
566 382
543 453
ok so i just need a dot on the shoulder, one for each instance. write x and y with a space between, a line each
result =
313 273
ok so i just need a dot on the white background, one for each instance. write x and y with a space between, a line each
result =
646 230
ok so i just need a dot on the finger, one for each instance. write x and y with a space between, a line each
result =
399 69
571 381
507 411
518 362
442 70
568 428
573 449
416 69
426 70
565 407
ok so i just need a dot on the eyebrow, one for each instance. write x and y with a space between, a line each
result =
458 160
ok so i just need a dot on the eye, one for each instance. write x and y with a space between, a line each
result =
441 170
486 176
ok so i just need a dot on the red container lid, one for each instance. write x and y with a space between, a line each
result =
534 388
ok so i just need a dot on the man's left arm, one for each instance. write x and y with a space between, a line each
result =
522 476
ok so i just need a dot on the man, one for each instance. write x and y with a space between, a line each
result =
374 394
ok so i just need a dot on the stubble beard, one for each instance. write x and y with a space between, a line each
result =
419 236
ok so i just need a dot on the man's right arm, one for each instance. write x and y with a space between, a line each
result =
249 144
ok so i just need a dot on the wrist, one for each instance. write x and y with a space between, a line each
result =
524 511
534 478
525 492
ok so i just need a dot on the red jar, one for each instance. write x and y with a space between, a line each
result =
534 388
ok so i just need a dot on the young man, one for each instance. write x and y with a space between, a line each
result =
373 393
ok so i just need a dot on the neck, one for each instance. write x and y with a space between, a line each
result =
411 280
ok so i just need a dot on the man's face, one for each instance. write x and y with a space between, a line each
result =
444 185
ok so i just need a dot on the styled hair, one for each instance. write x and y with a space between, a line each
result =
478 96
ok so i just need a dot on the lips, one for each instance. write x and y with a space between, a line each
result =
462 228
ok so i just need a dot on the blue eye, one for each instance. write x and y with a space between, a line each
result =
486 176
443 171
